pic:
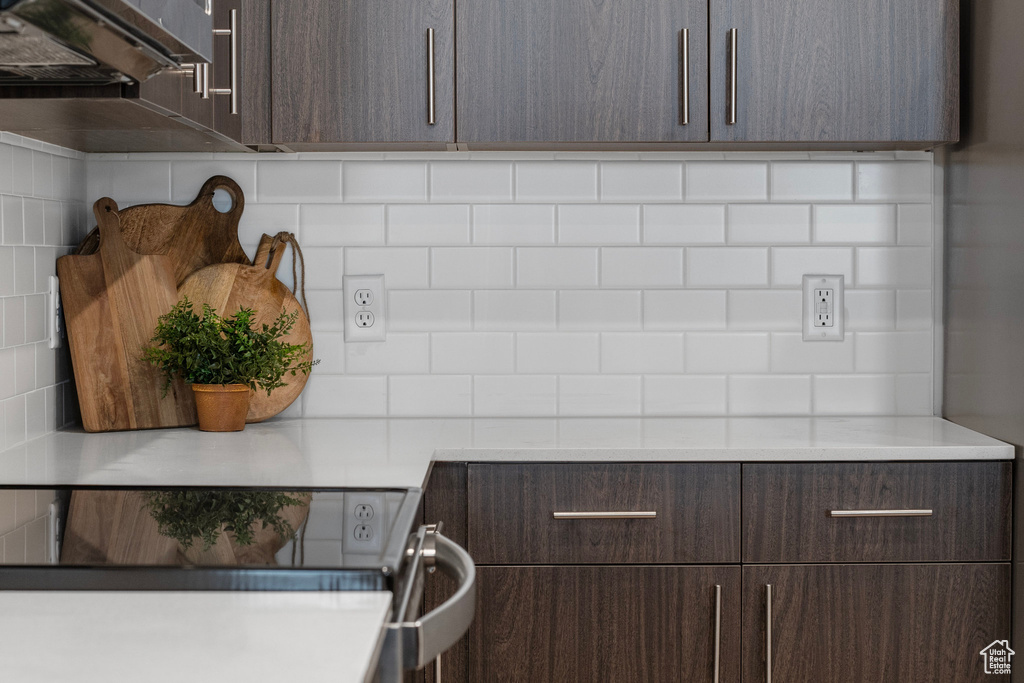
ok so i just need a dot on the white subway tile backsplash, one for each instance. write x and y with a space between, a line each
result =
901 181
513 224
598 224
566 181
475 353
25 374
403 267
894 352
8 371
324 267
404 354
6 271
641 353
188 177
894 267
684 395
341 225
870 309
326 310
647 181
14 321
429 310
914 309
515 395
726 352
329 347
424 225
384 181
14 420
680 309
461 181
914 394
311 182
35 416
12 215
562 352
46 359
52 216
267 219
430 395
613 310
24 270
769 224
789 265
855 224
794 181
602 395
726 267
344 396
471 268
556 267
916 224
726 181
127 182
514 310
769 395
6 169
21 183
641 267
684 224
42 174
854 395
764 310
792 355
35 228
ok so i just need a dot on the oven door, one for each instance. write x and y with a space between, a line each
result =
412 640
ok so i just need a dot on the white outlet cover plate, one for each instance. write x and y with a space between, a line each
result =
838 330
378 330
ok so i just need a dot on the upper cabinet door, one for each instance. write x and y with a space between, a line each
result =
578 71
826 71
349 71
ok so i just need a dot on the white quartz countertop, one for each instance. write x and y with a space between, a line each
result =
396 453
205 637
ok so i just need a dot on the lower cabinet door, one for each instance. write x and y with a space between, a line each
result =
569 624
911 623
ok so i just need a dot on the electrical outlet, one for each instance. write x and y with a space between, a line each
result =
365 516
364 308
823 308
55 324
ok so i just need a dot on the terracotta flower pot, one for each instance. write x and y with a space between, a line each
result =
221 407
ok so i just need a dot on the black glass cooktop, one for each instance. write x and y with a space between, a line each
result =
208 539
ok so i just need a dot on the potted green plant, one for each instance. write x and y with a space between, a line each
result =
225 358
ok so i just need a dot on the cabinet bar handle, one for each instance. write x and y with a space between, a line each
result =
437 669
232 63
649 514
768 633
430 76
730 117
880 513
718 628
684 85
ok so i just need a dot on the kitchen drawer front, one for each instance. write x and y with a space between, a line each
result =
789 512
512 513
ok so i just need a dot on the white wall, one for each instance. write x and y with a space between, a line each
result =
593 284
41 203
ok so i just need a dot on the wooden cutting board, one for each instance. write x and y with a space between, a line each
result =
192 237
112 300
227 287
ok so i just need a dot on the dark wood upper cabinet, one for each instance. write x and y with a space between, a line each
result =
348 72
577 71
819 71
912 623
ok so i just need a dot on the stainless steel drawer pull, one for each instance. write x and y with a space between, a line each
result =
730 117
768 633
430 77
879 513
718 628
684 85
232 63
649 514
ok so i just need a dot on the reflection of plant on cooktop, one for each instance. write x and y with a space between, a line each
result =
186 515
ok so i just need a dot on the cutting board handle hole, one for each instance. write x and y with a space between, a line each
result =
223 201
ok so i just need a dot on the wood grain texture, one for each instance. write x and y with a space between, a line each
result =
584 624
226 287
875 623
112 300
511 505
192 236
580 71
357 71
444 500
785 512
256 49
857 71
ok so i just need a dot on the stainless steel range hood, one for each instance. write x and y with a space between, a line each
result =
100 41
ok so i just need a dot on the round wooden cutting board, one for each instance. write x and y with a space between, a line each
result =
226 287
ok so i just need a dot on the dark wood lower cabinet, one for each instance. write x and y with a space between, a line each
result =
569 624
918 623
